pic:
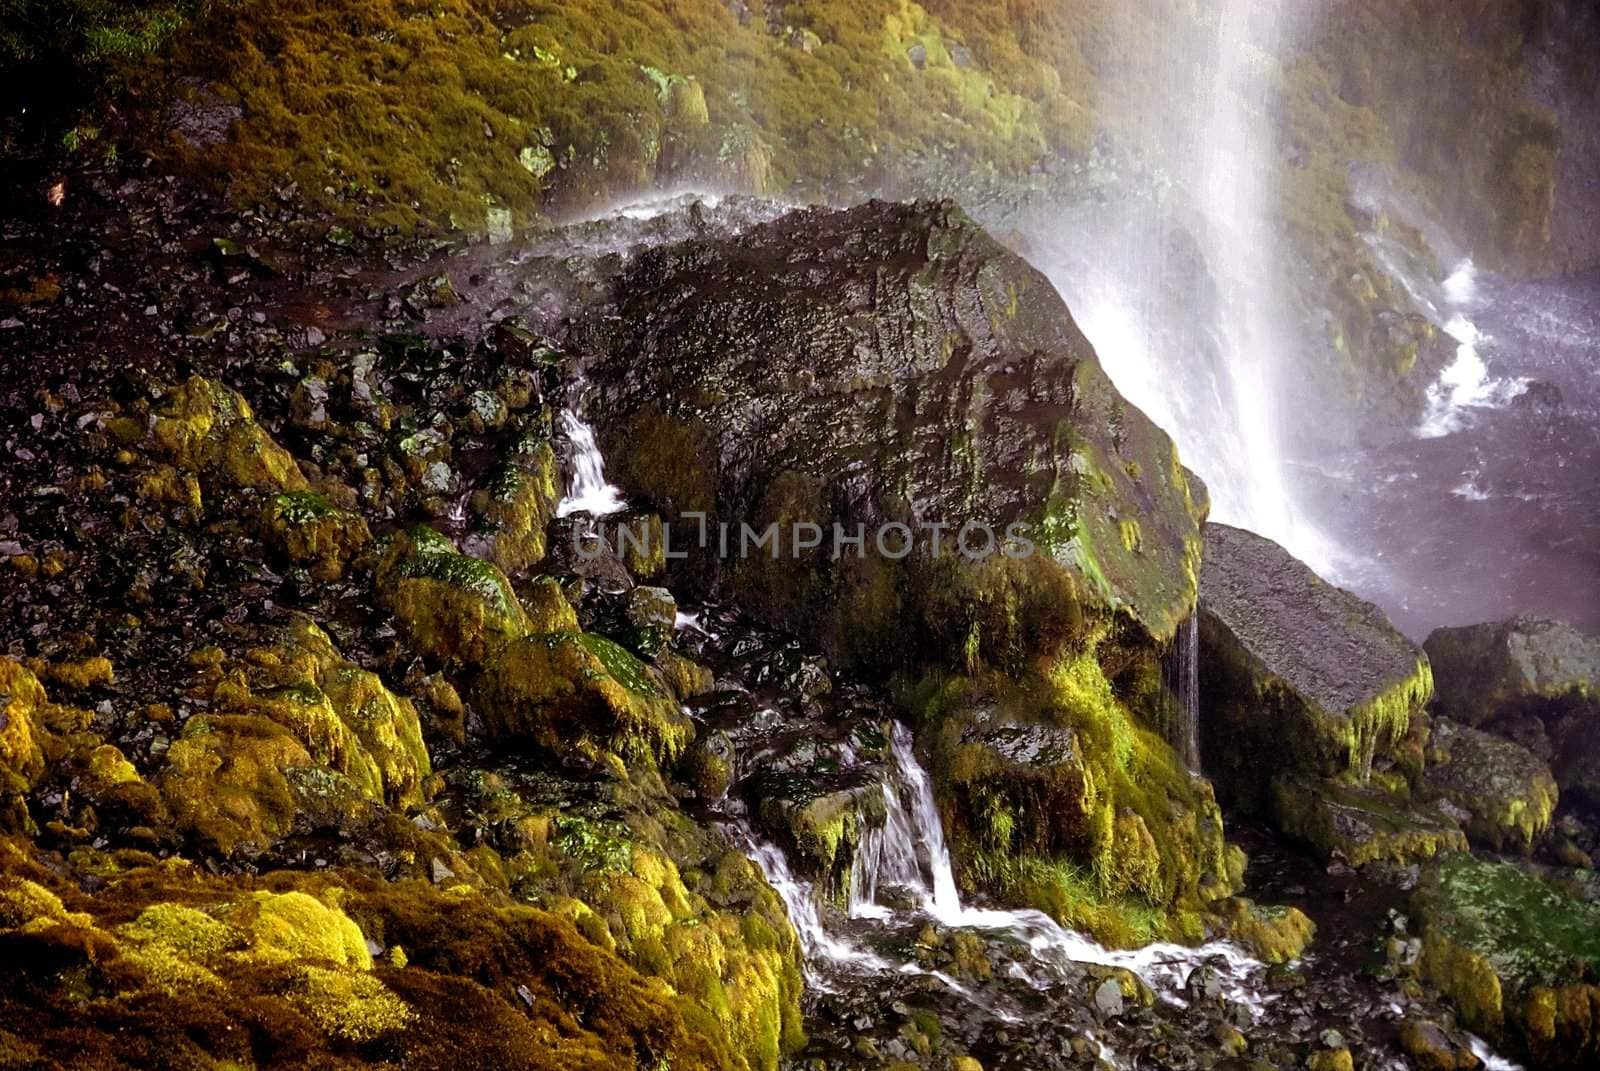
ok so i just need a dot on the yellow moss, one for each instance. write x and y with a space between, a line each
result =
22 699
573 690
518 506
224 781
355 1007
281 927
548 609
209 428
82 674
450 606
26 904
345 717
306 528
1272 934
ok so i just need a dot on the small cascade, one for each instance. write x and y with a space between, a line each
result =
588 492
908 852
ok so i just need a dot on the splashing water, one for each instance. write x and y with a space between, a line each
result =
588 492
1465 384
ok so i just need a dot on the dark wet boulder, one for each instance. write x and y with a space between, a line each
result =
1534 681
1488 672
889 364
1296 676
1505 795
1520 959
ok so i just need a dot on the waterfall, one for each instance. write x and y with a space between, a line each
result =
909 851
1183 288
587 492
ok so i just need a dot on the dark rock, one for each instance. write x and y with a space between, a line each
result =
911 371
1296 675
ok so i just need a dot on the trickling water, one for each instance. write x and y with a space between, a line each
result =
588 492
1187 651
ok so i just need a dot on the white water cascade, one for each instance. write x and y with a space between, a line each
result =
908 852
588 491
1185 292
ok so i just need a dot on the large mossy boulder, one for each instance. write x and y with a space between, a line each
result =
451 607
581 694
889 364
1520 959
1296 676
1505 794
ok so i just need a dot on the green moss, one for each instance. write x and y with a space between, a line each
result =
567 691
451 606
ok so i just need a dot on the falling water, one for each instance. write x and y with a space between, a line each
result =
908 851
588 492
1186 691
1192 316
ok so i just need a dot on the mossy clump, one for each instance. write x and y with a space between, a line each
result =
307 529
207 427
1520 960
1272 934
517 506
451 607
22 699
344 716
581 693
226 781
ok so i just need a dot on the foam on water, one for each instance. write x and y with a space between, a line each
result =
1465 384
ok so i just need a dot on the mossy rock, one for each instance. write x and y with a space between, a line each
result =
348 721
307 529
1508 795
517 506
207 427
547 607
1297 676
1360 824
1272 934
1484 672
1056 795
451 607
571 692
820 816
1520 959
226 781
